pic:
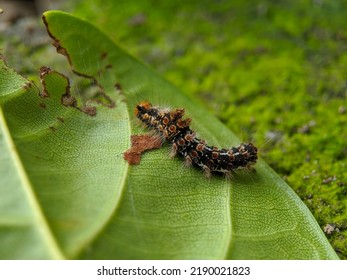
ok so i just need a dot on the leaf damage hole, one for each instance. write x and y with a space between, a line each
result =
101 98
55 83
91 91
140 144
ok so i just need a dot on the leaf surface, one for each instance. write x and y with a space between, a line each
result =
97 207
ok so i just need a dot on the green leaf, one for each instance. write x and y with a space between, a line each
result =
24 232
66 168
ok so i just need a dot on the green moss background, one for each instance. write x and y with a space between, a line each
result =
275 72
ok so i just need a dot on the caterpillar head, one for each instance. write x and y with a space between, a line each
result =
142 108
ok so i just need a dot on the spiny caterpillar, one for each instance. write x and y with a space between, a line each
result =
171 126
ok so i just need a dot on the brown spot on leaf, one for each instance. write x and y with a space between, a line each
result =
103 55
68 100
139 144
52 128
89 110
42 105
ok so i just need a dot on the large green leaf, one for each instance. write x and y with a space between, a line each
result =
66 190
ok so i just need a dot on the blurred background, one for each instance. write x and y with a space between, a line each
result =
275 72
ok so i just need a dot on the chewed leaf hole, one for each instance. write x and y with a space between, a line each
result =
56 84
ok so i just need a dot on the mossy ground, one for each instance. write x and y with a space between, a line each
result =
273 71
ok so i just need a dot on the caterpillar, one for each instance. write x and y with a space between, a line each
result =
172 127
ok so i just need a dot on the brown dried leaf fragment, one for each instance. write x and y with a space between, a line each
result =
139 144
